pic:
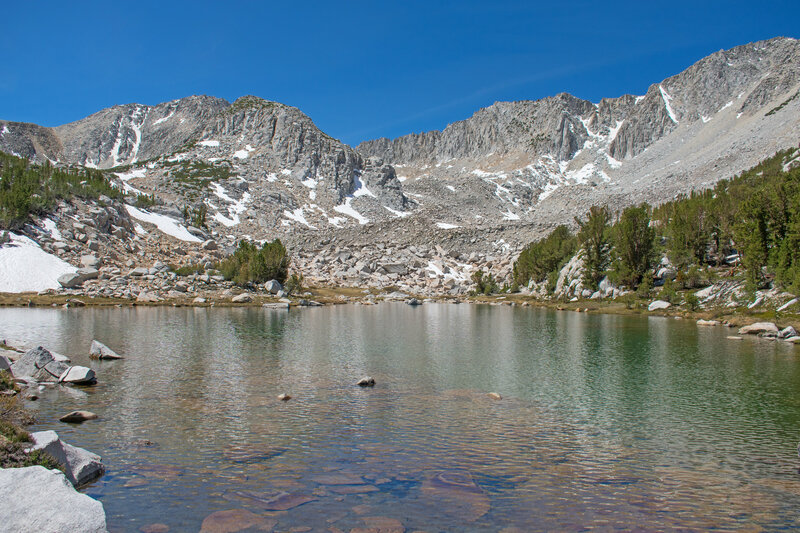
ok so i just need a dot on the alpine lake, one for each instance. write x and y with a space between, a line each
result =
605 422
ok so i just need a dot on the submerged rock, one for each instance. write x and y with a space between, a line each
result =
284 397
37 499
457 494
236 520
494 396
101 351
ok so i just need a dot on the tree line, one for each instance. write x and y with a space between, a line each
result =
753 217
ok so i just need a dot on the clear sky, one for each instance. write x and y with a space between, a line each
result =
359 69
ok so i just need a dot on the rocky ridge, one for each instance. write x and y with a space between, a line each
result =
421 212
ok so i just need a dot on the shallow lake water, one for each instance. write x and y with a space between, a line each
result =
605 422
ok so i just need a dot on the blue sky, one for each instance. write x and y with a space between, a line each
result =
360 70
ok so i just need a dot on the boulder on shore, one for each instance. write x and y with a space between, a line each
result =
37 499
273 286
242 298
657 305
80 466
759 328
101 351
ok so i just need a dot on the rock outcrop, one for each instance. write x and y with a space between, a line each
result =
37 499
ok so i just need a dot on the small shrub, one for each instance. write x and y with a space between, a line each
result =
294 284
484 284
691 301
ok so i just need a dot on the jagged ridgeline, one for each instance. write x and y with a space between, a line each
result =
751 221
29 189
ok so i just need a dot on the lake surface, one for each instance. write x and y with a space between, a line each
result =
605 422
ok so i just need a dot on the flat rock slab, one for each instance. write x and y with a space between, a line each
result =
37 499
758 328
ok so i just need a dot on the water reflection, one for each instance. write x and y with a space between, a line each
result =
605 421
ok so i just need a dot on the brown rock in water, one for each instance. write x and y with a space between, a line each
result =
384 524
154 528
494 396
456 494
76 417
235 520
353 489
338 479
284 397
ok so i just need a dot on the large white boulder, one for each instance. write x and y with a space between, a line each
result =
658 305
80 466
37 499
79 375
758 328
273 286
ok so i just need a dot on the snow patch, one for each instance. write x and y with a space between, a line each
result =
210 143
347 209
445 225
399 214
453 189
165 224
236 208
25 267
125 176
241 154
509 215
286 172
50 227
298 216
162 120
667 99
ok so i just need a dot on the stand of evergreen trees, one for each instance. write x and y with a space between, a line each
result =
251 264
755 215
27 188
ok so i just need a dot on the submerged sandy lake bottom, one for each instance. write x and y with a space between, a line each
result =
604 422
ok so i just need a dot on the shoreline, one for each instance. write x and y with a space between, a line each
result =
327 295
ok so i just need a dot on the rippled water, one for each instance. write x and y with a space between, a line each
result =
605 422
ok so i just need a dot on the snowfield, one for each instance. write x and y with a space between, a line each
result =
25 267
166 224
